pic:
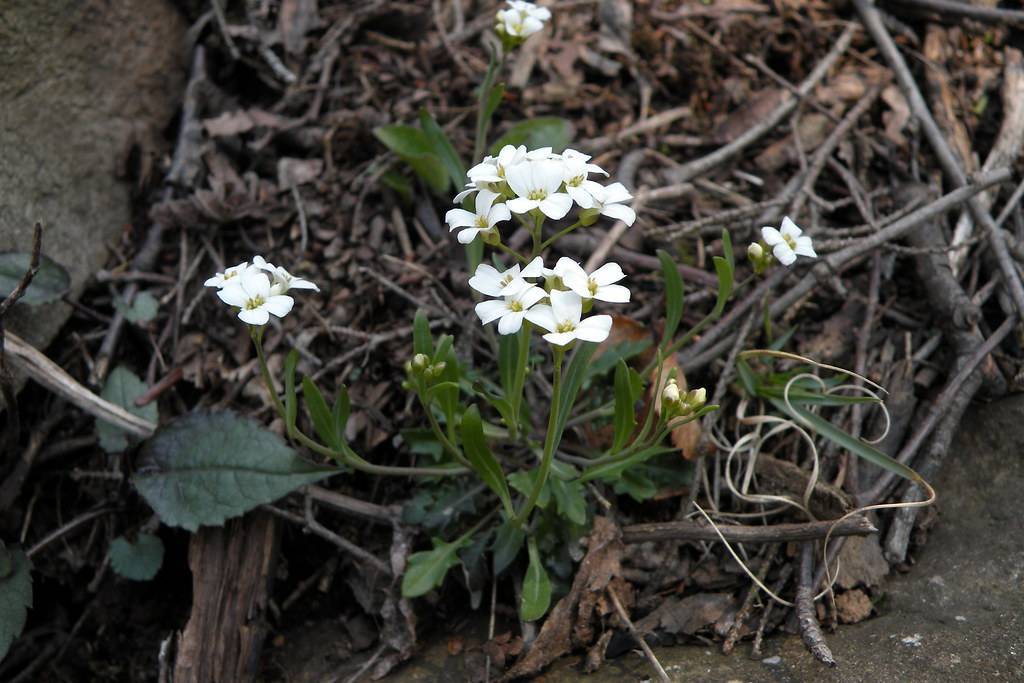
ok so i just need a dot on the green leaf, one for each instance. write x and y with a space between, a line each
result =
543 131
536 597
340 411
426 570
508 540
422 341
727 250
50 283
569 499
320 414
291 402
612 471
844 440
636 485
725 280
207 467
508 355
482 460
628 385
139 561
523 482
442 147
673 295
414 147
610 357
493 99
15 597
122 388
142 309
400 184
571 383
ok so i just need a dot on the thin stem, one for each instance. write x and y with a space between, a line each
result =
509 250
538 225
549 443
519 379
257 339
446 441
554 238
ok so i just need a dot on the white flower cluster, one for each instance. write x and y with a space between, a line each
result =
568 287
521 20
518 181
258 290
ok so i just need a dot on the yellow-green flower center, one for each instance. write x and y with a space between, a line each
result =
481 222
565 326
575 181
537 195
515 306
790 240
254 303
592 286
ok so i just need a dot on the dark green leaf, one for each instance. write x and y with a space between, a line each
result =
727 250
543 131
426 570
481 458
442 147
139 561
340 411
205 467
626 394
610 357
142 309
636 485
508 355
122 388
569 499
611 471
422 341
493 99
673 295
536 597
523 482
50 283
507 542
415 148
400 184
571 383
320 414
725 275
15 597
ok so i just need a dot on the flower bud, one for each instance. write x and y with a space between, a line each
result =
420 362
435 370
670 394
755 252
588 217
696 398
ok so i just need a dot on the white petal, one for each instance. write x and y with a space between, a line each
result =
520 180
515 286
484 200
498 214
542 316
804 246
279 305
595 328
261 263
789 228
556 205
214 281
255 316
580 196
564 264
489 311
616 193
300 283
613 294
521 205
567 306
607 274
511 322
487 280
771 236
459 218
233 294
530 296
534 268
470 189
560 338
575 278
620 212
255 284
468 235
783 253
547 175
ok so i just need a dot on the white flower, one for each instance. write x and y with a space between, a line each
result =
570 154
281 279
582 191
488 214
468 190
536 185
608 201
597 285
670 394
221 279
510 311
492 282
250 292
562 319
522 19
788 242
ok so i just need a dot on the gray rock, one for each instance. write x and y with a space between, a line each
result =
81 83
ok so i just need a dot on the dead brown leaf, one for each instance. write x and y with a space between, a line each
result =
853 606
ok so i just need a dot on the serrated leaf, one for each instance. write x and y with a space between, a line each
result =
138 561
482 460
426 570
205 468
142 309
673 295
15 598
415 148
536 596
543 131
122 388
50 283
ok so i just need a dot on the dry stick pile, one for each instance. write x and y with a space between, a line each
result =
325 209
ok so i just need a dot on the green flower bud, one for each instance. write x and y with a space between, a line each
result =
588 217
420 362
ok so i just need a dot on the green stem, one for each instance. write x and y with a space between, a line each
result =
561 233
509 250
519 378
446 441
549 444
483 118
346 455
538 225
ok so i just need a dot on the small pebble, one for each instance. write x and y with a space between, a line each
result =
772 661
